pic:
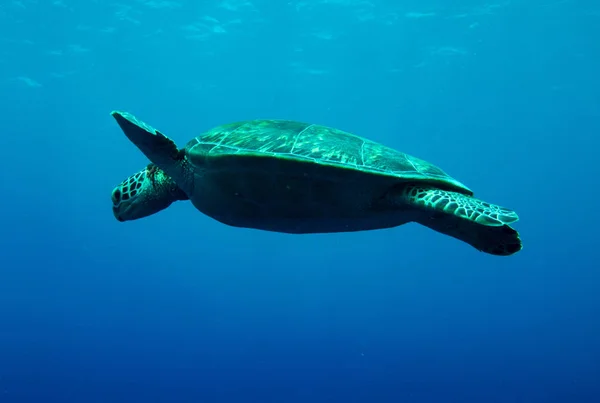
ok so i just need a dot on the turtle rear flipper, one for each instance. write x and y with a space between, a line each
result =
483 225
159 149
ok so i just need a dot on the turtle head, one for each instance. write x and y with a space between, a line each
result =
145 193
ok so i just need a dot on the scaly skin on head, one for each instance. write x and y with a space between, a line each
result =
145 193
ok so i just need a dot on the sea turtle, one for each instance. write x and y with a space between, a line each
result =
300 178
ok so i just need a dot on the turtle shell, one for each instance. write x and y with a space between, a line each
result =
244 145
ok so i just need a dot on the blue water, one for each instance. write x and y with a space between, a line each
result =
503 95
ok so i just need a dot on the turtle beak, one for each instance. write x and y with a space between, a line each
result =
116 214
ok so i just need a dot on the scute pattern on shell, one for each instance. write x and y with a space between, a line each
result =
315 143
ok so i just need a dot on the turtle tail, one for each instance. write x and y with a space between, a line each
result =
483 225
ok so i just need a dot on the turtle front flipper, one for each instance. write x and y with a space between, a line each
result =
483 225
159 149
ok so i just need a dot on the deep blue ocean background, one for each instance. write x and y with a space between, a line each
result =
503 95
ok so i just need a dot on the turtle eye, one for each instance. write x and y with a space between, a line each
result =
116 196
